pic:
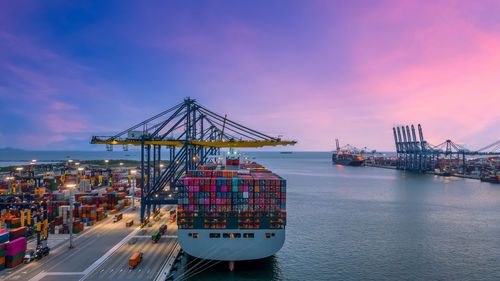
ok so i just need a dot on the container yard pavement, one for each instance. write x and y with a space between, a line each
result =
154 256
94 246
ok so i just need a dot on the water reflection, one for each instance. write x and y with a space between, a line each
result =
262 269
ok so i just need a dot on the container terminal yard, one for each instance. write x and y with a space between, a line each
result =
106 220
445 159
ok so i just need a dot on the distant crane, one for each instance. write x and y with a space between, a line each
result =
418 155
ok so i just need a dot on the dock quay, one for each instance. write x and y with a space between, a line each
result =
102 253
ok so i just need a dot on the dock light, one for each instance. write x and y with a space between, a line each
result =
106 161
34 160
156 195
19 168
77 163
81 169
71 204
121 164
176 162
170 195
161 165
133 172
69 161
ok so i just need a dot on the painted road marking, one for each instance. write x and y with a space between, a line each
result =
42 274
149 236
108 254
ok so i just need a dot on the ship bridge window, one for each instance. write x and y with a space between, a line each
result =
237 235
248 235
195 235
226 235
214 235
268 235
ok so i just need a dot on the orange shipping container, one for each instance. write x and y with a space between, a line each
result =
134 260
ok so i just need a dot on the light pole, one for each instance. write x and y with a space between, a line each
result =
9 179
20 170
132 179
80 169
71 203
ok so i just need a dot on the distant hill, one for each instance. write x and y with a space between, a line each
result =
6 149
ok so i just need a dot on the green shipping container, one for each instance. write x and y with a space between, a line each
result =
15 257
156 235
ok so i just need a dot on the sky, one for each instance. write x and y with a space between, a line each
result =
311 71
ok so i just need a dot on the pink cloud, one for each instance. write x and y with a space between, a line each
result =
435 67
63 123
39 140
57 105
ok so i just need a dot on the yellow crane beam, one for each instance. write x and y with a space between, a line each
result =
236 143
239 143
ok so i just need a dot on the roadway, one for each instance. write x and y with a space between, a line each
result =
154 255
104 243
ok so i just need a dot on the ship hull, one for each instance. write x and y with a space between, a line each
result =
231 249
347 162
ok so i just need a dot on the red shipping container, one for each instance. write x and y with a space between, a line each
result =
15 263
18 232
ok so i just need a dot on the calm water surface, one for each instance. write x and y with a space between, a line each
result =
362 223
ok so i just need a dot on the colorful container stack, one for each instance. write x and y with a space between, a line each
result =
14 252
224 199
89 212
4 237
78 226
17 233
13 223
2 254
116 200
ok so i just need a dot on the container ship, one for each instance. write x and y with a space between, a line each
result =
231 212
490 177
346 157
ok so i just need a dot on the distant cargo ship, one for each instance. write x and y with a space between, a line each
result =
490 177
346 157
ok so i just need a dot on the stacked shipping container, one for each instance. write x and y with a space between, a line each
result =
222 199
2 255
14 252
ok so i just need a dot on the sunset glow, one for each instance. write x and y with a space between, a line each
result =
308 70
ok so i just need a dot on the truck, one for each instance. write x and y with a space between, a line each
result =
129 223
41 252
134 260
156 236
173 216
163 229
118 217
29 256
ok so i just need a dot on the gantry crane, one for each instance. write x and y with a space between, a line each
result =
419 155
193 135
